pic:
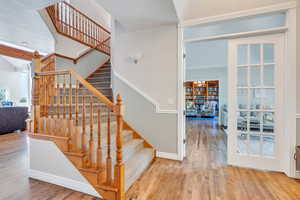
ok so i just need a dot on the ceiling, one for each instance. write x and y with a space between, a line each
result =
24 26
138 14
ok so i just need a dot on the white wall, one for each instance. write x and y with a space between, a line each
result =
155 75
298 71
85 66
156 72
14 81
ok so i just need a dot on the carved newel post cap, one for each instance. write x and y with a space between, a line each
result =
36 54
119 99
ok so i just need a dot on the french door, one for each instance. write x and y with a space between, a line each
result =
256 82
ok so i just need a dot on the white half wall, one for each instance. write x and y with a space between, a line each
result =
47 163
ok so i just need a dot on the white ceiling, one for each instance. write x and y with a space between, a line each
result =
138 14
20 22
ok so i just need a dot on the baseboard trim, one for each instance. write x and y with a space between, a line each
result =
297 175
170 156
64 182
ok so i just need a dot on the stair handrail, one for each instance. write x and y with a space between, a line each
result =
86 84
44 86
72 23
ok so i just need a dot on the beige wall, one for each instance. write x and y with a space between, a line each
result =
298 71
155 76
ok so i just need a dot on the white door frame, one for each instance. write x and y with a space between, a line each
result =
290 79
257 161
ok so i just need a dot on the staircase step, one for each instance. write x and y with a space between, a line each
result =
134 167
96 75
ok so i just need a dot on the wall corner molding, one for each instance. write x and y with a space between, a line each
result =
157 106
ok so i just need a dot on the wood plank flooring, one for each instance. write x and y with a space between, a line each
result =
14 182
202 176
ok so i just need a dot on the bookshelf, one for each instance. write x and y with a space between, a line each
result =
202 98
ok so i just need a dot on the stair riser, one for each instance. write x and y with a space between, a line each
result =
100 74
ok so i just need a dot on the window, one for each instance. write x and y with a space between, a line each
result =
3 95
245 24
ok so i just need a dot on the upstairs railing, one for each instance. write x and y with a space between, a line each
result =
90 121
74 24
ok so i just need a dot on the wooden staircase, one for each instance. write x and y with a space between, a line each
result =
88 127
72 23
101 79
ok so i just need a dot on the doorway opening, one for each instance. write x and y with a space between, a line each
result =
206 66
249 125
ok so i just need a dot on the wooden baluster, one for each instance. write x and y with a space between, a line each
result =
91 145
68 20
56 15
53 108
73 23
46 93
99 147
58 99
108 158
76 103
64 98
41 95
83 139
119 167
70 97
51 97
61 17
65 19
36 95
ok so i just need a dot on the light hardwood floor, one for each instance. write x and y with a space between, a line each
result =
203 175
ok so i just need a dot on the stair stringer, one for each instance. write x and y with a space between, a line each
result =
61 143
59 169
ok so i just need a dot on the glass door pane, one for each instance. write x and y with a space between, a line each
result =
255 100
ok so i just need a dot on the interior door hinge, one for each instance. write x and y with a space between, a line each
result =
184 141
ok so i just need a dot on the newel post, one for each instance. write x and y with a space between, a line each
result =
36 62
119 167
